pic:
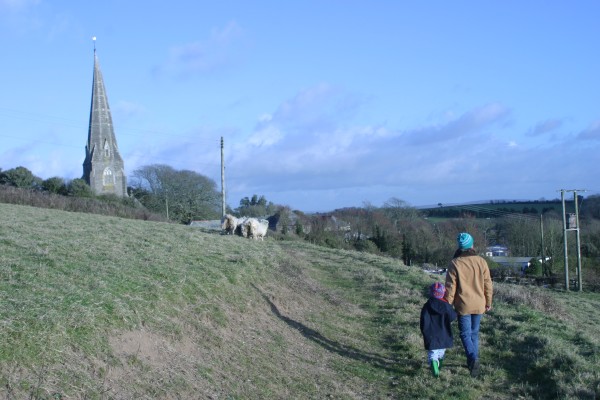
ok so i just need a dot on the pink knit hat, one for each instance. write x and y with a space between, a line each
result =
437 290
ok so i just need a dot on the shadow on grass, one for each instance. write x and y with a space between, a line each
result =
404 366
527 360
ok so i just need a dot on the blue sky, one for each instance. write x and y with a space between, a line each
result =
321 104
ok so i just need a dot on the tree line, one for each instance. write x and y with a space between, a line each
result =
395 229
159 190
401 231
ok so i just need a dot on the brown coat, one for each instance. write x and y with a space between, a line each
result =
468 283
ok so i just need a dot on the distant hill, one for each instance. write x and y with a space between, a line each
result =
106 307
495 208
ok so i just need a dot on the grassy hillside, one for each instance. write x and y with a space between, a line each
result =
107 308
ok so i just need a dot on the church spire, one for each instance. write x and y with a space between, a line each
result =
103 167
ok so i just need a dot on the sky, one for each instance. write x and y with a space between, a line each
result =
321 104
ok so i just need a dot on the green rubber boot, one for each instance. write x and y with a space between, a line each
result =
435 368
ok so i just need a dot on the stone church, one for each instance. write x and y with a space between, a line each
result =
103 167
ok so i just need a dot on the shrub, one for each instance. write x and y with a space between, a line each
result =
19 177
535 267
54 185
79 188
117 207
366 246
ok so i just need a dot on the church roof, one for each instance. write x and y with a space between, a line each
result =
101 125
103 167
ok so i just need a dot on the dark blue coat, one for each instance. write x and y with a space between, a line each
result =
436 316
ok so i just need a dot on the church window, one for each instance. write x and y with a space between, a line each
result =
106 149
108 178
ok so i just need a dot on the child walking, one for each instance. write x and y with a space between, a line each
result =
436 316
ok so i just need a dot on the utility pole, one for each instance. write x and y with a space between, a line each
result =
573 226
544 270
579 280
223 208
167 203
564 215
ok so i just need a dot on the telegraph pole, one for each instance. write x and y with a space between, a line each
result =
167 203
579 280
544 270
223 208
573 226
564 215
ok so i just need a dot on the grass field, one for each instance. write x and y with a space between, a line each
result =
106 308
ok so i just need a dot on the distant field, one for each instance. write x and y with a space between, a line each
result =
498 209
107 308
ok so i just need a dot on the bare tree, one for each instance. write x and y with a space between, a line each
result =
181 195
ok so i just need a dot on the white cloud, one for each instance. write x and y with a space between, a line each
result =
591 133
265 118
19 16
308 149
473 123
544 127
220 50
306 143
17 4
267 135
126 109
351 164
306 132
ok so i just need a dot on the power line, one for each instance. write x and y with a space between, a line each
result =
42 142
498 213
494 212
35 117
43 118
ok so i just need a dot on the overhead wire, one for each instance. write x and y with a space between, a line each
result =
136 132
498 212
494 212
43 118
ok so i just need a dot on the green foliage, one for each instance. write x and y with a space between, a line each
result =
55 185
299 229
491 263
590 208
366 246
79 188
535 267
407 250
401 232
256 207
381 240
326 238
104 205
19 177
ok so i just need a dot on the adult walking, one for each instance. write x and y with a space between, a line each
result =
469 289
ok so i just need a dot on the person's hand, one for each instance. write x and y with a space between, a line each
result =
488 308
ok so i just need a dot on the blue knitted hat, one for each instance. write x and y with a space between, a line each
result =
437 290
465 241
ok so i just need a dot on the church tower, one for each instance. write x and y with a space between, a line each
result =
103 167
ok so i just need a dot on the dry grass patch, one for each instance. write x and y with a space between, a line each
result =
537 298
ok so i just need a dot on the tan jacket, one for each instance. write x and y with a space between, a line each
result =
469 284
